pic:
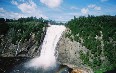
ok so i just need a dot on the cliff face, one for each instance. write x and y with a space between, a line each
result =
28 48
69 54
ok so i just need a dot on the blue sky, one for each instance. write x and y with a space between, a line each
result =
59 10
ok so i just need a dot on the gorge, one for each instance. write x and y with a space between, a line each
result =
81 45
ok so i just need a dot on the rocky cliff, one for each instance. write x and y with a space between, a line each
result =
11 44
69 54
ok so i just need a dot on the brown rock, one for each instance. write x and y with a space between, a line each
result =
76 71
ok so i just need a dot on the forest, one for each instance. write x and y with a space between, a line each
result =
18 32
99 37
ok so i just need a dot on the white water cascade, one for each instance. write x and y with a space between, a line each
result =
47 57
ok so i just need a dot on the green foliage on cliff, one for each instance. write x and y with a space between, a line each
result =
99 37
21 30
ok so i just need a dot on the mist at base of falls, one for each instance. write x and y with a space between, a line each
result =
16 65
47 58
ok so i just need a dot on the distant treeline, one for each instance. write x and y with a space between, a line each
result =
28 19
23 19
99 37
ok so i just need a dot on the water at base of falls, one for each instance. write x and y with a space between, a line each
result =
47 57
16 65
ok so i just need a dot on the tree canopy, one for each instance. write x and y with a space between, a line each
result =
99 35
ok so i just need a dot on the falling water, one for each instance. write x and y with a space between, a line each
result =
47 57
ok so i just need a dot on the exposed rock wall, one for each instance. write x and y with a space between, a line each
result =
28 48
68 53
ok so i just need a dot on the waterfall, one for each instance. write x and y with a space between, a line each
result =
47 57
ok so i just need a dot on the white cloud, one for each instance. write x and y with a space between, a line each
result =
93 6
7 14
97 8
2 10
29 8
104 0
22 0
26 7
84 10
65 16
73 8
89 10
14 2
51 3
73 14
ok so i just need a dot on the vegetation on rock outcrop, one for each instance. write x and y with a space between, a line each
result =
98 35
22 33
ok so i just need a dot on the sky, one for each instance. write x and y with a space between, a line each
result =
58 10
